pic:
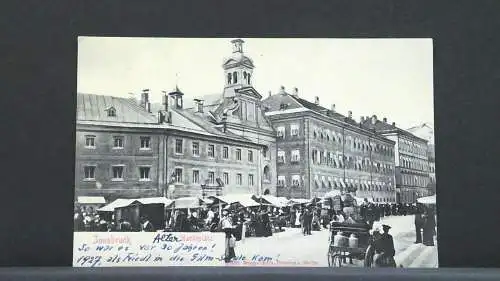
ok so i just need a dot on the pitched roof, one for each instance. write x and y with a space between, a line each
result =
383 127
203 120
91 107
379 126
425 131
208 100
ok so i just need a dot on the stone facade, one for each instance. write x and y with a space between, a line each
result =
320 150
116 161
412 164
203 161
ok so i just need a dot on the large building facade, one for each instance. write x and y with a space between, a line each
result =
320 150
219 147
426 131
118 149
412 165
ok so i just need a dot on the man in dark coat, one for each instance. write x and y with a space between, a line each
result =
308 220
429 227
370 214
419 224
385 249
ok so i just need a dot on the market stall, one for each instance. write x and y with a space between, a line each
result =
429 200
90 203
152 209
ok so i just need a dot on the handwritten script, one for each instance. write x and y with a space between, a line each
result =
126 249
93 249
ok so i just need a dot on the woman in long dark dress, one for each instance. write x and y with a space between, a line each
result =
429 227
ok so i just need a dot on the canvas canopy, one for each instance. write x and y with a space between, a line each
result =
118 203
295 201
91 200
332 194
155 200
427 200
271 200
244 199
187 203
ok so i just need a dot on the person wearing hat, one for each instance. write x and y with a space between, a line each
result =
227 227
384 249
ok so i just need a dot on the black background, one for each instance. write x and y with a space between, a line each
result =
39 99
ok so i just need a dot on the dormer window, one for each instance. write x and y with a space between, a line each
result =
283 106
235 77
111 112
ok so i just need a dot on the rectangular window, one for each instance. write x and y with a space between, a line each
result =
89 172
239 179
281 181
90 141
117 172
211 177
118 142
225 178
144 173
280 132
196 176
250 156
178 146
196 149
294 128
225 152
281 156
178 175
145 143
250 180
211 150
295 156
238 154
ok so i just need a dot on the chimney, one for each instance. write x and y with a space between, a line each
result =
270 94
394 124
199 105
332 108
350 114
145 98
385 120
224 123
295 92
374 119
362 119
165 100
316 100
282 90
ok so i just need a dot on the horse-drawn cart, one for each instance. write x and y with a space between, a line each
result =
347 241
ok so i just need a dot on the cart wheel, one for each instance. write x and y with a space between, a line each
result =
334 260
337 261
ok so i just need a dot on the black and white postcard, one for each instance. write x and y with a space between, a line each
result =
255 152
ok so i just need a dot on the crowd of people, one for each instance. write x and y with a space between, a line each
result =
260 221
264 220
